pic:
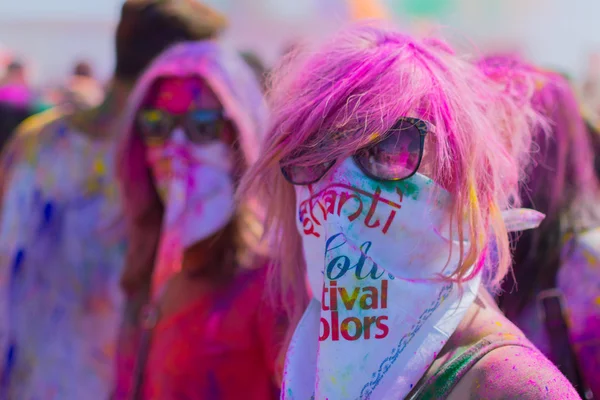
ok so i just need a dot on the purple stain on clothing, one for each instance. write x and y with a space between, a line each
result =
48 212
58 313
10 159
18 262
37 197
9 363
62 131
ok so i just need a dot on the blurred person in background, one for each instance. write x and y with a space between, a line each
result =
62 235
388 180
16 100
11 117
553 295
5 58
82 89
14 87
197 116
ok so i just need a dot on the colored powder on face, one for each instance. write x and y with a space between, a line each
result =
409 189
180 95
176 96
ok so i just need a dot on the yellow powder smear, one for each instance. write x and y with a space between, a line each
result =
99 167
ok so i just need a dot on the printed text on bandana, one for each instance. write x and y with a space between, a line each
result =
338 198
365 301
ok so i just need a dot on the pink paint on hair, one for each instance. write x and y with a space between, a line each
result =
328 101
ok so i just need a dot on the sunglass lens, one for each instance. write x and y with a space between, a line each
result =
154 123
396 157
300 175
205 126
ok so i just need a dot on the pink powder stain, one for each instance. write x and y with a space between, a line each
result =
180 95
177 95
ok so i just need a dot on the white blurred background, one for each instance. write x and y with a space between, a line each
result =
51 35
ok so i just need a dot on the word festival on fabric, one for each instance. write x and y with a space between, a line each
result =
330 202
362 299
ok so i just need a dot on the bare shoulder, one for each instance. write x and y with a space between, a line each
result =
514 372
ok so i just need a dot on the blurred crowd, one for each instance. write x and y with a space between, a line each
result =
375 217
19 98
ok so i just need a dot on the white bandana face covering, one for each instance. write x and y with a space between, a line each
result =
378 318
196 187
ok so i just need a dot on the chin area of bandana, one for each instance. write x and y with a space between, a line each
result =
359 300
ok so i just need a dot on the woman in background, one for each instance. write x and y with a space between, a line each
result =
553 295
384 173
196 120
62 234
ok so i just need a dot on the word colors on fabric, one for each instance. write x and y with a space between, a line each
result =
360 299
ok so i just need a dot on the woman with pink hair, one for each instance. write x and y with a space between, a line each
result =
195 119
388 176
553 294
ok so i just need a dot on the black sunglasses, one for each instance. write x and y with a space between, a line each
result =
200 126
395 157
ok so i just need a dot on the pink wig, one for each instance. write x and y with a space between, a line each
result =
238 91
330 101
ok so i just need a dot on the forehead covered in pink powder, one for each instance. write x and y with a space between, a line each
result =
178 95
